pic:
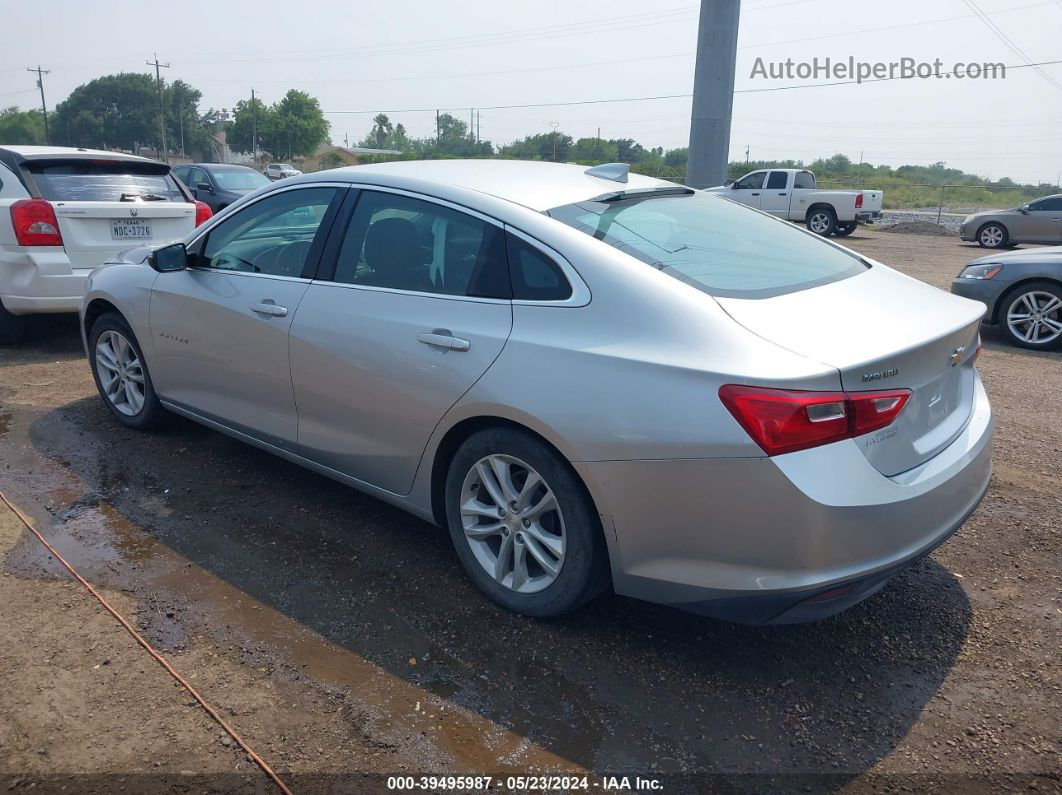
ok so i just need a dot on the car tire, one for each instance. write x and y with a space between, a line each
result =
12 327
844 230
568 538
992 235
1037 301
822 221
127 391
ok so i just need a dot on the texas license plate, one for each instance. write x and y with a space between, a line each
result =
130 229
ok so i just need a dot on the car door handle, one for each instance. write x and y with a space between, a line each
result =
757 193
269 308
781 194
441 338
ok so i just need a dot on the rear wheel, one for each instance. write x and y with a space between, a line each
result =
523 525
1032 316
121 374
12 327
992 235
822 221
844 230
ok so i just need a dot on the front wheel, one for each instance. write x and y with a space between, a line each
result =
844 230
121 374
822 221
523 524
992 236
1032 316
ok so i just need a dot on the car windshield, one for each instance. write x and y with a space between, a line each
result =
239 180
712 243
104 180
283 166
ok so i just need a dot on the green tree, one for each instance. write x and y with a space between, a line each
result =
385 135
182 117
21 126
244 118
294 127
540 147
593 150
119 110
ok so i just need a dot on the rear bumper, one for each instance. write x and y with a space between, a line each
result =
41 281
867 216
753 539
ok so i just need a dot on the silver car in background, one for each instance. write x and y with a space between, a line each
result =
591 378
1038 221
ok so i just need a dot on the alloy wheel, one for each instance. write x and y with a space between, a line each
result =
1036 317
513 523
120 372
819 223
991 236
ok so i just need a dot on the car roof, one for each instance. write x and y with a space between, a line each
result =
40 152
534 184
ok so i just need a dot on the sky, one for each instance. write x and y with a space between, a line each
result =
408 57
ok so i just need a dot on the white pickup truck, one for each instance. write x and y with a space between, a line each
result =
791 193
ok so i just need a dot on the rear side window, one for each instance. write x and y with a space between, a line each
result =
104 181
777 180
535 276
804 180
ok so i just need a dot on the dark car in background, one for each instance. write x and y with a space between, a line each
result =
1022 291
217 184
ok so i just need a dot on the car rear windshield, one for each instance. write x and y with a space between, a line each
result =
712 243
239 179
104 181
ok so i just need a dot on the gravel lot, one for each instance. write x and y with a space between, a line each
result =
340 638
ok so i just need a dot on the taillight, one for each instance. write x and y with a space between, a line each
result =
202 213
859 200
784 421
35 223
977 351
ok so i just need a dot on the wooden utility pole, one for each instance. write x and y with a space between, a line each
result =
162 111
44 107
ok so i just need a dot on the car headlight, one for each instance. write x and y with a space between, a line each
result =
988 271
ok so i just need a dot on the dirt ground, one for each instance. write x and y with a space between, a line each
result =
340 637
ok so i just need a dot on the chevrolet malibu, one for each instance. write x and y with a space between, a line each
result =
593 379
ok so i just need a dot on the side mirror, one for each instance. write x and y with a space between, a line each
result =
1024 209
203 186
733 186
169 258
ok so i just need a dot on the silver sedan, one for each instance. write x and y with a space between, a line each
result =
593 379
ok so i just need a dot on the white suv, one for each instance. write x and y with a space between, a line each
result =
64 211
277 171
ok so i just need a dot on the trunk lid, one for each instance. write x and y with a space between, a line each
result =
107 204
94 231
871 201
882 330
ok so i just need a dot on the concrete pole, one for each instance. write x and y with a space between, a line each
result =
713 93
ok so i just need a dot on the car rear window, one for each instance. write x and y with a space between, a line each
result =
713 244
104 180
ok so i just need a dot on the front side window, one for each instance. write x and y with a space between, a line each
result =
198 177
407 244
753 181
104 180
239 179
272 236
715 245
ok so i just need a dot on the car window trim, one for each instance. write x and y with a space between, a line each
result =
326 271
313 256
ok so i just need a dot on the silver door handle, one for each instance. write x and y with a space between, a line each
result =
443 339
269 308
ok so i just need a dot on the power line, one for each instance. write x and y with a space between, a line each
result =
1003 37
659 96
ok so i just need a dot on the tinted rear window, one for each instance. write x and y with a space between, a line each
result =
713 244
104 180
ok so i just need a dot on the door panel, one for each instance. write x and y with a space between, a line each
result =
775 194
369 390
217 356
749 189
